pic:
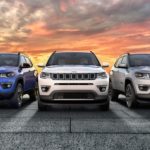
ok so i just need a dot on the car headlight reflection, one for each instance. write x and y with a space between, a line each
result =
142 75
7 75
102 75
45 75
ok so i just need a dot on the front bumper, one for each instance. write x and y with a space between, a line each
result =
6 93
74 87
145 93
46 101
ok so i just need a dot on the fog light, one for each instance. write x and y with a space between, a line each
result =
143 88
6 85
45 88
102 88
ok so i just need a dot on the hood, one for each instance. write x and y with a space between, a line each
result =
143 69
4 69
73 69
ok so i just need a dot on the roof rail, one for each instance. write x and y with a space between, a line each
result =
54 52
20 53
92 52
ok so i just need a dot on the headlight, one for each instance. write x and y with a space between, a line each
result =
45 75
102 75
7 75
10 74
142 75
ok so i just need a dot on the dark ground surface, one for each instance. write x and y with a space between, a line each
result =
75 127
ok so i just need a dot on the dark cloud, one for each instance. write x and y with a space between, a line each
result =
91 17
87 16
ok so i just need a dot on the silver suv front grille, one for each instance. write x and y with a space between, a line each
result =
77 76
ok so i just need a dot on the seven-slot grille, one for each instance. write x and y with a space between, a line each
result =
73 76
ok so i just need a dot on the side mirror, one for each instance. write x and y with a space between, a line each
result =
41 65
25 65
105 65
123 66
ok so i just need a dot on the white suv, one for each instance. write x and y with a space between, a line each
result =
131 76
73 77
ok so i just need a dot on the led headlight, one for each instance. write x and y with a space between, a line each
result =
7 75
10 74
142 75
102 75
45 75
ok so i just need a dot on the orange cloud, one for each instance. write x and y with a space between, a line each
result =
38 29
108 30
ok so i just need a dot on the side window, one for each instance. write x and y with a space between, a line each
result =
29 61
124 60
22 60
118 62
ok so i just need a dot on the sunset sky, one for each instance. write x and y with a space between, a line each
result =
107 27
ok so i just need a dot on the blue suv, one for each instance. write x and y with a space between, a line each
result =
17 77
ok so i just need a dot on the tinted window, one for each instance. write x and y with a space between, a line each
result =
9 60
73 59
29 61
118 62
139 60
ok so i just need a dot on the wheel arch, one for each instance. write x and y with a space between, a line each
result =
20 80
127 81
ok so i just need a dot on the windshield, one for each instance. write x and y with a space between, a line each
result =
139 60
73 59
9 60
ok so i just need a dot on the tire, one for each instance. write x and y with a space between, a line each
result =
34 94
130 96
105 107
113 94
17 99
41 107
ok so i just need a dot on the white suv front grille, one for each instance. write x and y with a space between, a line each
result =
74 76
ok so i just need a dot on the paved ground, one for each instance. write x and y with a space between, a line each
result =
78 127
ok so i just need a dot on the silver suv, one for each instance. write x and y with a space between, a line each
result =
73 77
131 76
